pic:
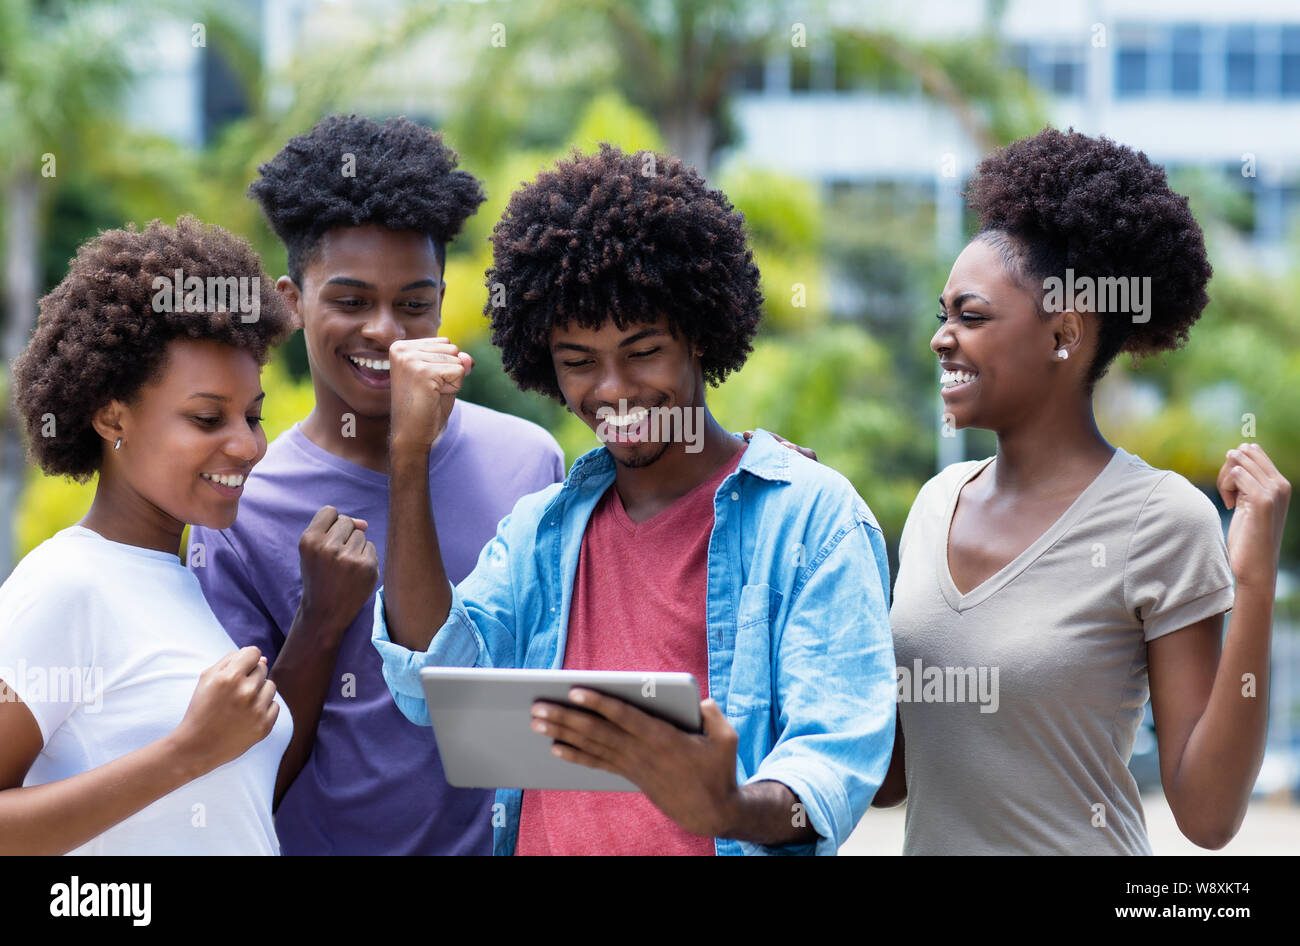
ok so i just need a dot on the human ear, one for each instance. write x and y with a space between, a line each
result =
111 421
437 307
1069 334
288 291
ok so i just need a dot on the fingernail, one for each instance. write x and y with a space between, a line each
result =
577 696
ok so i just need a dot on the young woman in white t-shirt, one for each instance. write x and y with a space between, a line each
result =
1042 591
129 722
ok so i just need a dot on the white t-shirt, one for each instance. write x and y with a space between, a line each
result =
104 643
1021 699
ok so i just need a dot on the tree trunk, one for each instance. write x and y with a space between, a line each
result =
21 243
690 136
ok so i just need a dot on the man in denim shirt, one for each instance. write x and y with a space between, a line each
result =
627 286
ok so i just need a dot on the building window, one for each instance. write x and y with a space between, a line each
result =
1185 60
1067 78
1241 62
1058 69
1290 71
1131 71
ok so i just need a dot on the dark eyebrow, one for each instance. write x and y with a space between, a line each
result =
359 284
962 297
221 397
630 340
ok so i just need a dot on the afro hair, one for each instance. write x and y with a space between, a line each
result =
1059 201
630 237
352 171
98 337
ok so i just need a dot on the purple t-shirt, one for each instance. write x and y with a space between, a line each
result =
374 783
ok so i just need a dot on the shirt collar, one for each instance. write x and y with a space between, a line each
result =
765 457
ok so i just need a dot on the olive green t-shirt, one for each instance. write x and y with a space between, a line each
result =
1020 699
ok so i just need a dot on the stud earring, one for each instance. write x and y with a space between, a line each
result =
1062 354
118 445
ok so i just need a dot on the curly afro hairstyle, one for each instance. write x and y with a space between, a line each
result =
1059 201
623 236
98 338
404 178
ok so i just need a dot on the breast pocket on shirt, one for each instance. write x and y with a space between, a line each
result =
751 665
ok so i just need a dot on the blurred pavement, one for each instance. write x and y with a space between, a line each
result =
1270 828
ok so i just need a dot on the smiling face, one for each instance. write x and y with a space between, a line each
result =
365 288
602 371
999 356
191 435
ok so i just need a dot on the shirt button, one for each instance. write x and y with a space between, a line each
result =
734 496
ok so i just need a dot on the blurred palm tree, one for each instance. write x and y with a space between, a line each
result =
62 72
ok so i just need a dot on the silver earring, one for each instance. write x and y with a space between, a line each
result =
1062 353
118 445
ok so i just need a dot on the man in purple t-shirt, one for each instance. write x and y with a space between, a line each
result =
295 575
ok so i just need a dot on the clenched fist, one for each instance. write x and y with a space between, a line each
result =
233 708
426 375
340 568
1258 494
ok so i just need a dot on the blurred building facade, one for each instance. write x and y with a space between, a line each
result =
1193 83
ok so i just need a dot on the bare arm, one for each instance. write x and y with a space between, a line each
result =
893 790
339 571
233 708
1211 737
426 377
1211 708
767 813
417 593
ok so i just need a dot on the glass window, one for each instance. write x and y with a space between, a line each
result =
1185 64
1290 72
1131 70
1239 77
1067 78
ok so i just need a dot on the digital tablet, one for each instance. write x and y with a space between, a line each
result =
482 719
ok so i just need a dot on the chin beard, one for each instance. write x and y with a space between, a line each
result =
639 462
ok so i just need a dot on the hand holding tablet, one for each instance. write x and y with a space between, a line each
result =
483 721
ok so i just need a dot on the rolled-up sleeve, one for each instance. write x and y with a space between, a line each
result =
835 680
479 630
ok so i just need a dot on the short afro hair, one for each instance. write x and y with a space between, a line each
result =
99 339
404 178
624 236
1059 201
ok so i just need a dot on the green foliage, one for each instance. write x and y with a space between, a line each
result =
831 390
854 380
610 118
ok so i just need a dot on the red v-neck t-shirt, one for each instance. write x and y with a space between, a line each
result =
639 603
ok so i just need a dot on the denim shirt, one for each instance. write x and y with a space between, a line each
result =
801 658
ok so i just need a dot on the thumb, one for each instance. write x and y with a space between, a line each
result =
712 719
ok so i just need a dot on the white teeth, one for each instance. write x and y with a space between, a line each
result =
373 365
233 480
950 378
626 420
